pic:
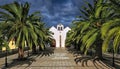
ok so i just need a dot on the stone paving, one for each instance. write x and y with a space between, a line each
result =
61 59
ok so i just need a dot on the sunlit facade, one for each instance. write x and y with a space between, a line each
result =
59 34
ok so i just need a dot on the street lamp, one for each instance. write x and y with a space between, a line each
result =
6 65
6 53
113 62
28 52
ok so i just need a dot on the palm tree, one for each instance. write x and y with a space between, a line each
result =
21 26
74 35
111 29
91 20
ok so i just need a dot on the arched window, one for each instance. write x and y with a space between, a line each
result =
60 27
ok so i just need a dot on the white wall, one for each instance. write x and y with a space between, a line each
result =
57 34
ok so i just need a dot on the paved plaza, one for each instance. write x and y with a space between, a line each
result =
60 59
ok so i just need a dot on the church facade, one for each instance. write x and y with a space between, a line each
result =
59 34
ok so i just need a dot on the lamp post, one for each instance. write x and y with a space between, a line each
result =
6 65
28 52
113 62
6 44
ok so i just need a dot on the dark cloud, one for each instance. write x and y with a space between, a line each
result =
54 11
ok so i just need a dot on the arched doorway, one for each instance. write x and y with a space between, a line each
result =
60 40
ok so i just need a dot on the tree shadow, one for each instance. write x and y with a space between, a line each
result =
71 49
74 51
82 60
105 63
99 64
109 61
90 58
26 62
47 52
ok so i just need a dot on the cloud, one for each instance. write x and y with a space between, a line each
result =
2 2
60 12
54 11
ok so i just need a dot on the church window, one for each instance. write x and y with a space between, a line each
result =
59 28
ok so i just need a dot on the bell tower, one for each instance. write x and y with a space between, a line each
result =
60 28
59 34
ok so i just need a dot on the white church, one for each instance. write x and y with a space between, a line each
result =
59 35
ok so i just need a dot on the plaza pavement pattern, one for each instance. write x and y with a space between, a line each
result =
60 59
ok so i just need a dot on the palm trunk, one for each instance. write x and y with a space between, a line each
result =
99 50
75 47
20 53
40 49
34 51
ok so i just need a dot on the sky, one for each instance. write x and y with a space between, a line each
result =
54 11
